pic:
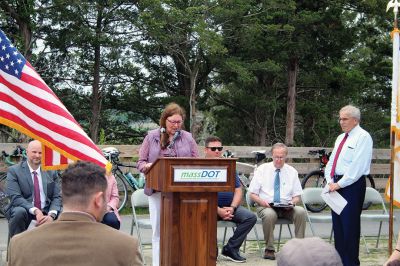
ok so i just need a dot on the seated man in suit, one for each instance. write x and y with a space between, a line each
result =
230 209
77 237
276 189
34 194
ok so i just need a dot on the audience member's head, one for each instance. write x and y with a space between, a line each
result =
311 251
83 189
213 147
393 263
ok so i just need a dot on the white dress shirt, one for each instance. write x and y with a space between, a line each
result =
355 158
262 183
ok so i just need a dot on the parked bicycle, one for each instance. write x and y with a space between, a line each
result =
9 159
124 178
259 156
316 178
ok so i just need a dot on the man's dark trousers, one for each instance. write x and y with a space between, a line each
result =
245 220
346 226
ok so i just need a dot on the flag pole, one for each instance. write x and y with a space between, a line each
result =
394 117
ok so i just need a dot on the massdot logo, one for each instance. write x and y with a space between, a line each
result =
208 174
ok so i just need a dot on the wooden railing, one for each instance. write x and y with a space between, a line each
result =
298 157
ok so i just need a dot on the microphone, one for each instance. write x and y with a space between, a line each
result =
176 135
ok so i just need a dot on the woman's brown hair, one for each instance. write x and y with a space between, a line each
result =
169 110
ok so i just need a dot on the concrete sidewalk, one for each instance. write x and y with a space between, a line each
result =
376 256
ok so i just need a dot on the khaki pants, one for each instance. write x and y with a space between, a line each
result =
269 217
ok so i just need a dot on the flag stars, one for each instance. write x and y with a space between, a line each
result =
15 53
1 59
12 63
16 72
19 61
3 47
7 67
8 56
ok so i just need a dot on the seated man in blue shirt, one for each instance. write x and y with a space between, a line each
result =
230 209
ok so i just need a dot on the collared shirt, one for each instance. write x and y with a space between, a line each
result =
42 193
355 158
262 183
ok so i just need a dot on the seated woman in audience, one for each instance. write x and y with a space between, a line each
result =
111 217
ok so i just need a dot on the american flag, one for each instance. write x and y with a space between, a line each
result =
30 106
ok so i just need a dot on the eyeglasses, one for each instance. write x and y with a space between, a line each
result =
175 122
279 158
215 148
343 119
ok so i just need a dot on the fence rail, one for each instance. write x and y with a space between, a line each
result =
298 157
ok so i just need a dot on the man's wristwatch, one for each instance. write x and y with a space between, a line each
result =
53 215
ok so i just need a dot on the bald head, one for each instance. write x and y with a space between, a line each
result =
34 154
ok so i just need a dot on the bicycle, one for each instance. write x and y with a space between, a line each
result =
9 159
259 156
316 178
112 155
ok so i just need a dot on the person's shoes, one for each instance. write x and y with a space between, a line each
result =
232 255
269 254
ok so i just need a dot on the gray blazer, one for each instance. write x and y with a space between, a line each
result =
20 188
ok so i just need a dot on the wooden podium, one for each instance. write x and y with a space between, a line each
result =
189 189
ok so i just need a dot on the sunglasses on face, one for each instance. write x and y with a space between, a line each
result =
215 148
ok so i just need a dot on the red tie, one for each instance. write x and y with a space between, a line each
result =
337 154
36 191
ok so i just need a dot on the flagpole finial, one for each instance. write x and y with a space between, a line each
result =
395 4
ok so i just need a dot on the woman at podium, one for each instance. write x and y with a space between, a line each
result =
167 141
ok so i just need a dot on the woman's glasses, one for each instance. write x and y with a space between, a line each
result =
215 148
175 122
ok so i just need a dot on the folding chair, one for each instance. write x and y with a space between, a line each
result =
226 224
374 197
280 222
139 199
312 195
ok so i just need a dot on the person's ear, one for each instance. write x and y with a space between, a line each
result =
99 199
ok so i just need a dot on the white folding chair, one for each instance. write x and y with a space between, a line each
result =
280 221
226 225
312 195
139 199
373 196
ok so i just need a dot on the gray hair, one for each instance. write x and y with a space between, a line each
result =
279 145
351 110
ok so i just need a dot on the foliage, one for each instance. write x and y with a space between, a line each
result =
115 64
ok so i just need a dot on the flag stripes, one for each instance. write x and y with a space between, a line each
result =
30 106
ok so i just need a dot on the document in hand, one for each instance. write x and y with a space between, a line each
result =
333 199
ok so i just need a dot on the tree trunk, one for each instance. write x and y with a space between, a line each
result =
194 127
291 100
96 95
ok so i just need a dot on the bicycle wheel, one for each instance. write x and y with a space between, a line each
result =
370 183
122 191
3 196
314 179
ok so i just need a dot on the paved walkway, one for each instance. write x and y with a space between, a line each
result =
376 256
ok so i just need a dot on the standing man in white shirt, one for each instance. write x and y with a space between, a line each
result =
345 173
277 182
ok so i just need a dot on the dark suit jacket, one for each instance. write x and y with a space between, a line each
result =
20 188
74 239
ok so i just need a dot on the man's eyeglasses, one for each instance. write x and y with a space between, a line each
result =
279 158
215 148
175 122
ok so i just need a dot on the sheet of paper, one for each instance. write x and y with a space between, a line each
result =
333 199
